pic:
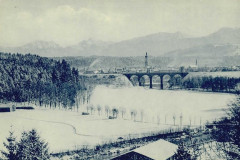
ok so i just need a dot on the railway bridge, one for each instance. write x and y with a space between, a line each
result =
150 75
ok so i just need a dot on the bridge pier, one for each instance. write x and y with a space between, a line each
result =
139 82
150 78
161 82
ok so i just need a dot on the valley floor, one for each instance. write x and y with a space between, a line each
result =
70 130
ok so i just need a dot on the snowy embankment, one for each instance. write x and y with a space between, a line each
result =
69 130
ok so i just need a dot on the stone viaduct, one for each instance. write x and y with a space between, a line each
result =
161 74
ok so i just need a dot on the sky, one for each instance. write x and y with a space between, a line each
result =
70 22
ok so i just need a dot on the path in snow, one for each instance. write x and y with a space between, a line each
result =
63 123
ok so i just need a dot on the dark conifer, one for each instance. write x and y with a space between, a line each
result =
11 147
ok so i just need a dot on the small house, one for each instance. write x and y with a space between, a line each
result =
7 108
159 150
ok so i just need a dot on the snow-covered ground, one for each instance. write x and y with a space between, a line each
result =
193 106
67 130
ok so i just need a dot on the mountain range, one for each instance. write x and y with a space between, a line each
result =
221 48
224 42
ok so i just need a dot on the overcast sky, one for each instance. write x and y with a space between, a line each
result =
69 22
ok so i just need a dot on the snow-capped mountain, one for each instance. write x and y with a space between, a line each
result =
159 44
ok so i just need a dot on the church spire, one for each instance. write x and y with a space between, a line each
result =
146 60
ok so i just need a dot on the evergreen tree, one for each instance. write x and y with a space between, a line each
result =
32 147
227 131
11 147
22 147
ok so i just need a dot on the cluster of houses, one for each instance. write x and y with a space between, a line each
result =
192 68
147 68
127 70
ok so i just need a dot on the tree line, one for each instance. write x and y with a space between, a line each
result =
31 78
208 83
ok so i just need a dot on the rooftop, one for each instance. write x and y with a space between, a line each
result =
159 150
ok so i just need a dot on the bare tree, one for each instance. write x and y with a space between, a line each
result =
99 108
174 119
107 109
123 111
133 114
88 108
115 112
190 121
92 108
181 118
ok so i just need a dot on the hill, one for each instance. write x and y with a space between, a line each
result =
31 78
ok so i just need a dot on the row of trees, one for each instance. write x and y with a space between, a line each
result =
31 78
208 83
214 84
140 115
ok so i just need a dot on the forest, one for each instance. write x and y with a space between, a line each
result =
31 78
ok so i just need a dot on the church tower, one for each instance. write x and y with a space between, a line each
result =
146 60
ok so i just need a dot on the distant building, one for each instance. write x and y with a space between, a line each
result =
119 70
159 150
100 71
89 72
7 108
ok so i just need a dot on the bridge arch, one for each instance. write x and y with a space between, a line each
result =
134 80
165 81
145 80
156 81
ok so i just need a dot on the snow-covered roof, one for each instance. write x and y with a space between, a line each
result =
4 105
159 150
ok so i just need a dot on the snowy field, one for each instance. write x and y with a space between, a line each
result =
67 130
165 103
